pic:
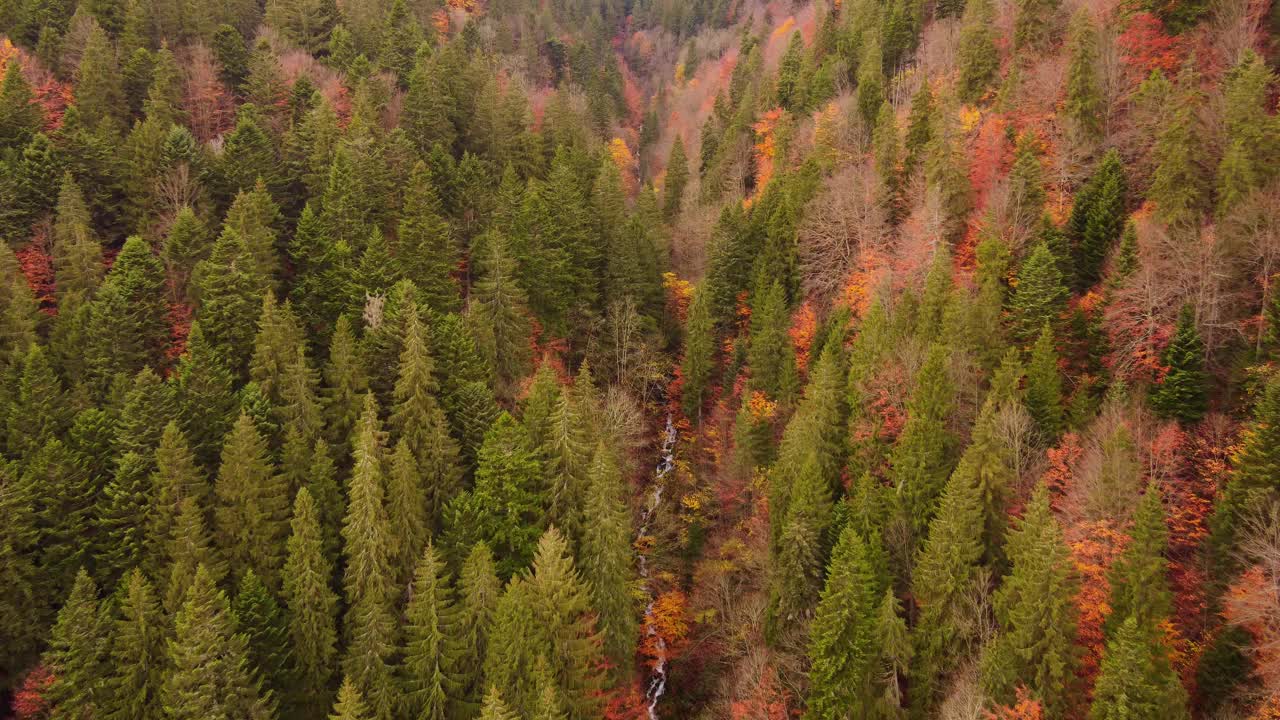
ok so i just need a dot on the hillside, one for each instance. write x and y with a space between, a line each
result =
639 359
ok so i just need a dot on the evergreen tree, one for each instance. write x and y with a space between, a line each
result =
607 562
1178 184
770 356
947 175
251 515
77 255
1252 134
978 59
921 128
350 704
494 708
1097 219
698 365
1044 386
260 619
128 328
99 90
229 288
677 179
1036 613
176 478
1035 26
1084 105
123 518
312 605
20 117
38 413
136 654
75 654
566 454
431 651
189 548
796 580
367 581
498 316
1252 482
1040 295
842 644
1136 679
478 592
425 246
428 106
1182 393
1138 578
210 673
1026 183
345 384
871 82
206 400
919 461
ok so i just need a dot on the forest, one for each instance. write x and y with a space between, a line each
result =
639 359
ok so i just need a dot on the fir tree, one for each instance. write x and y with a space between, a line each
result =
312 605
189 548
947 175
1252 134
494 708
350 704
428 106
842 643
367 581
1044 386
99 92
229 290
1136 679
1040 294
260 619
425 245
1182 393
210 673
1097 218
676 180
75 654
1084 106
128 329
770 356
607 562
978 59
345 384
1178 185
20 117
1035 26
252 510
698 364
136 655
478 592
498 316
919 460
431 651
796 580
1253 478
124 517
206 399
1139 585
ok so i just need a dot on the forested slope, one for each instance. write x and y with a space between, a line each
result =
340 340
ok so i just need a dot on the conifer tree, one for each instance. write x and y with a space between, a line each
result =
229 290
494 708
431 651
260 619
345 384
1139 585
842 643
128 329
1036 613
1044 386
1084 94
504 509
606 558
566 454
978 59
77 255
20 117
75 654
921 128
123 518
1035 25
947 175
1026 182
1040 294
1252 134
498 317
367 581
176 478
350 704
189 548
478 592
1097 218
698 364
206 399
252 510
136 653
407 522
796 578
1182 393
312 605
1136 679
1178 184
770 356
1253 477
425 246
885 149
428 106
871 82
39 412
99 92
676 180
210 672
254 215
919 461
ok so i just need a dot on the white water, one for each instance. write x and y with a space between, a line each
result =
658 682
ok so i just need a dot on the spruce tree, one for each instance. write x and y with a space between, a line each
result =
99 91
494 708
350 704
1138 578
978 59
189 548
367 581
206 400
796 578
1084 95
176 478
1182 393
1253 480
1252 134
75 655
428 106
566 454
1044 386
1178 184
1136 679
1097 219
251 515
229 289
607 561
677 179
1035 26
345 383
842 643
406 513
136 655
698 364
478 592
210 673
261 620
425 245
20 117
124 517
312 605
1040 295
497 315
919 461
128 329
871 82
432 650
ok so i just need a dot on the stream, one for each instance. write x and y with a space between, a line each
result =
658 681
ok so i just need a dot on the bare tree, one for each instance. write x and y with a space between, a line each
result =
841 225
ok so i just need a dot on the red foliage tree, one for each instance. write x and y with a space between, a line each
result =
1023 708
29 701
1144 47
37 268
208 104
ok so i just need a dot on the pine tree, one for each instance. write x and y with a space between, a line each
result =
136 655
919 461
1097 219
1136 679
312 605
494 708
1252 134
871 82
607 562
369 623
206 400
431 651
842 643
947 176
771 356
677 179
229 289
504 509
77 255
1035 27
886 150
1036 613
260 619
350 704
1044 386
345 385
978 59
428 106
1253 478
252 510
211 675
1084 105
566 454
39 413
128 328
1040 294
1182 393
124 516
1138 578
75 654
176 478
1026 182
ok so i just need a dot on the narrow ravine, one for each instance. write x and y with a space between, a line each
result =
657 684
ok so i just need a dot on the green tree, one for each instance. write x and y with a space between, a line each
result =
607 561
251 515
99 90
947 175
77 255
1044 386
1084 105
189 548
1035 25
432 650
478 592
978 59
842 642
1252 134
770 355
698 365
1136 679
206 400
136 655
498 316
920 459
312 605
676 180
796 577
20 116
75 654
871 82
229 288
1097 219
345 383
210 674
494 708
1040 294
428 106
1138 578
260 619
1036 611
369 624
1182 393
1253 481
1178 183
350 704
425 245
128 328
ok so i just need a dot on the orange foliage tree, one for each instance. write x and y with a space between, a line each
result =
766 149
